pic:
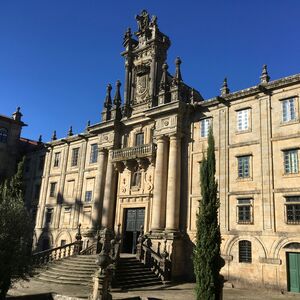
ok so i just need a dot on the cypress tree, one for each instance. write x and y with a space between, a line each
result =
15 232
207 257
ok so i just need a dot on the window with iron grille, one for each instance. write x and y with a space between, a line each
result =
52 189
88 196
204 127
291 161
94 153
3 135
243 119
245 254
75 154
243 166
244 211
56 159
139 139
288 110
292 206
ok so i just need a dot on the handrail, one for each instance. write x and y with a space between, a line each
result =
158 262
43 257
92 249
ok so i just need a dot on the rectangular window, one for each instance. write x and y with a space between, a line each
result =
56 159
75 153
291 161
52 189
244 166
204 127
88 196
41 162
139 139
288 110
292 209
49 213
94 153
243 120
244 211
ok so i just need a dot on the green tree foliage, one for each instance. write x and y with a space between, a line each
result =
15 232
207 258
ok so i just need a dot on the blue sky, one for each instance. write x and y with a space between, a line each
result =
57 56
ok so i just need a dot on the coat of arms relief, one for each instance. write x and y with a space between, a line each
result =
142 83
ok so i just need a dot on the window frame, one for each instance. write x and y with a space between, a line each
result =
56 159
205 125
242 203
94 153
137 142
239 158
290 163
291 116
248 119
75 157
90 198
292 201
49 212
246 247
52 192
136 179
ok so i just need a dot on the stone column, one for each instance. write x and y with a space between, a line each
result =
109 195
99 189
160 180
173 192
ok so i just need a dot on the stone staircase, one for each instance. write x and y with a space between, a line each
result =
72 270
132 274
78 270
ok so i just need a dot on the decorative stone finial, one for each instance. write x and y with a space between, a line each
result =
17 115
40 139
107 103
53 138
178 72
264 78
224 89
70 132
164 77
117 98
88 124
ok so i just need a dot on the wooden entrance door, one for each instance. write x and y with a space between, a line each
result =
293 266
134 219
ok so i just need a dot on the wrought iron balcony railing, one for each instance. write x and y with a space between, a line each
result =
146 150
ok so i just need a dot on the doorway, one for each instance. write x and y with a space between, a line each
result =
293 271
133 220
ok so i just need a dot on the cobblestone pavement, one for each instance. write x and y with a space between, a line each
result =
173 292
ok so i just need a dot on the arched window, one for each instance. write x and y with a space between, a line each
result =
245 252
136 179
3 135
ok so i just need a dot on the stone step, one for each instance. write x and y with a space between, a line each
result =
133 273
63 281
66 274
77 272
137 285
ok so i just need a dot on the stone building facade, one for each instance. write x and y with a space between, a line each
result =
140 166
